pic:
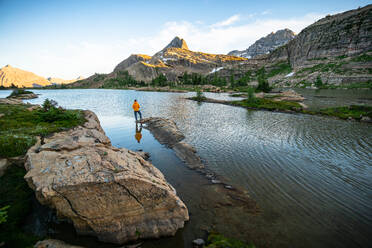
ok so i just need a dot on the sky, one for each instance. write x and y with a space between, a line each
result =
71 38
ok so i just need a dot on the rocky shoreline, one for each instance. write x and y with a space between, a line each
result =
105 191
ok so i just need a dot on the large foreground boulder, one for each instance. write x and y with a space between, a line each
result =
107 192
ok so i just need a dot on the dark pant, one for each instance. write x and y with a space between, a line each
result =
137 112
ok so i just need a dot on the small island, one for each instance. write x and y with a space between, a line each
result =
22 94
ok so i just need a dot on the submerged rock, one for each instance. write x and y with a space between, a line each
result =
164 130
167 133
198 242
3 166
105 191
54 243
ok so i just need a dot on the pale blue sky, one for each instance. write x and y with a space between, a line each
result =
71 38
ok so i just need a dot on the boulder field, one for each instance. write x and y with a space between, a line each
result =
111 193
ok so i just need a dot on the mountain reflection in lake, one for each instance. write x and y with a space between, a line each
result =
310 175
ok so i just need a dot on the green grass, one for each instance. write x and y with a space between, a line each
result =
19 126
362 58
15 193
216 240
262 103
279 68
353 111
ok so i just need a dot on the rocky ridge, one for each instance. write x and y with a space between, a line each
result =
105 191
266 44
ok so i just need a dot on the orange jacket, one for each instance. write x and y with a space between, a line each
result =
136 106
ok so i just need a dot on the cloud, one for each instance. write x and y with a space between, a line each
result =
217 38
86 57
266 12
229 21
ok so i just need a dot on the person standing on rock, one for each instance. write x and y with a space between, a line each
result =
136 108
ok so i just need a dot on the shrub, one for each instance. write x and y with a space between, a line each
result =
263 84
160 80
216 240
318 82
4 214
250 93
199 96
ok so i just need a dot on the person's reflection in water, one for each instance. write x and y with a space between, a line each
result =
138 135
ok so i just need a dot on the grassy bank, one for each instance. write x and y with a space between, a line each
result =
355 112
19 127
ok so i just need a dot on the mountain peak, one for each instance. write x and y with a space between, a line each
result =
177 42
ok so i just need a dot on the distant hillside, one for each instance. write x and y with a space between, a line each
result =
10 75
266 44
63 81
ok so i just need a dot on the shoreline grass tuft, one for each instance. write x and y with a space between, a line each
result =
20 126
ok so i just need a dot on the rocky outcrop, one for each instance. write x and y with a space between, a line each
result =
177 42
107 192
266 44
132 59
10 101
167 133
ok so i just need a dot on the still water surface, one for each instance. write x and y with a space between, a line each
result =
310 175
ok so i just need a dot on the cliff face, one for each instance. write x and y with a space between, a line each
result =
105 191
344 34
266 44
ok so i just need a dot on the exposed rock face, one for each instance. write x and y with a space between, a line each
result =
10 75
266 44
177 43
167 133
347 33
54 243
107 192
132 59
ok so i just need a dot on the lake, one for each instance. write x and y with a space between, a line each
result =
311 176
